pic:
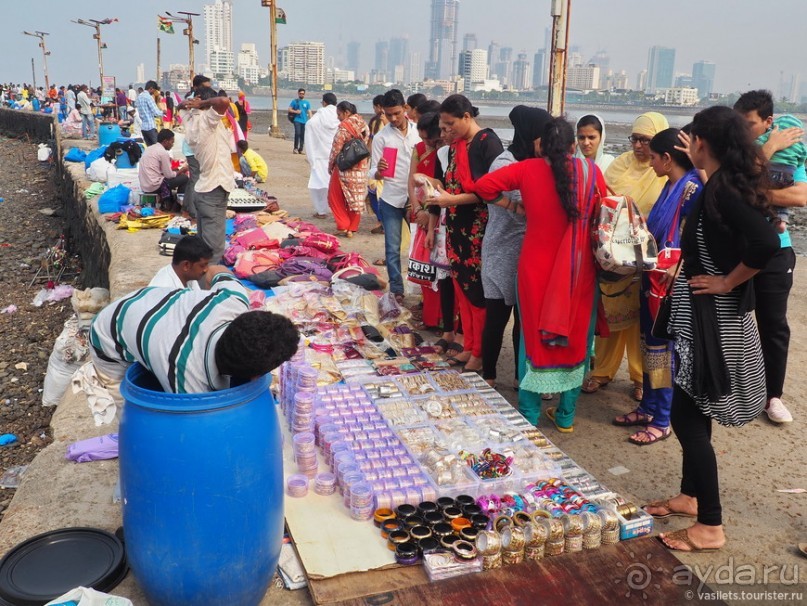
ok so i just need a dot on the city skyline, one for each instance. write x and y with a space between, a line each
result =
626 31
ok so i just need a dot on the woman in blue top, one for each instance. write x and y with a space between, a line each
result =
664 221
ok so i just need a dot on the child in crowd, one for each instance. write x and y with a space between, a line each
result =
783 163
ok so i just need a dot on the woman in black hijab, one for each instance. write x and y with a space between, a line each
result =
504 234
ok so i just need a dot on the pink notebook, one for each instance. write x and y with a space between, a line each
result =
391 156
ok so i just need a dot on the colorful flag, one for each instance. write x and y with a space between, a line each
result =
280 16
165 25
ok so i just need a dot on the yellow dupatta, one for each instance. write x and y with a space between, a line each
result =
626 176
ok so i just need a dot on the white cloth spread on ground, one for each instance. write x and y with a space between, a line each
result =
173 333
319 134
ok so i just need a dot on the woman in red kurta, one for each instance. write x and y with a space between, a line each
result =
556 271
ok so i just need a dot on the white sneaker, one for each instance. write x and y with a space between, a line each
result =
778 412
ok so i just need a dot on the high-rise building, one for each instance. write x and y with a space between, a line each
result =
601 60
443 48
504 67
304 62
522 72
381 64
469 42
660 68
219 37
540 68
473 65
493 58
249 68
141 73
703 77
641 80
353 49
398 52
583 77
414 73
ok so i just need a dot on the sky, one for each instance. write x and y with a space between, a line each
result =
727 32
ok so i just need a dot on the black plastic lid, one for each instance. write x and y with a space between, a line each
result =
48 565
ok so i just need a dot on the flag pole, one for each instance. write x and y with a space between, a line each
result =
275 130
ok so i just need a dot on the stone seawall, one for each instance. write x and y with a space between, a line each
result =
39 128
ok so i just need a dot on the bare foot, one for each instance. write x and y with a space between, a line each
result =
473 364
695 538
680 503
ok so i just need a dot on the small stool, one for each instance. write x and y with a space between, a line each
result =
149 200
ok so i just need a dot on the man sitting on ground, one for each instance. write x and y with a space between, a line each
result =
192 341
156 175
188 265
252 165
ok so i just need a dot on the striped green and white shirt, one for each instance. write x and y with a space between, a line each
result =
171 332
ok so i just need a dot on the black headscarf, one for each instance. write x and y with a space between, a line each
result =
529 123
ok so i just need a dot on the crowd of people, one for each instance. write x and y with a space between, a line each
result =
516 226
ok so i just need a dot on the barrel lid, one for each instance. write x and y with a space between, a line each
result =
50 564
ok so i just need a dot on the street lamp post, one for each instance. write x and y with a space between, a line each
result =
96 25
188 31
45 53
274 130
557 68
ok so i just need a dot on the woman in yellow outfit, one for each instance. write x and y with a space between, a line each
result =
629 175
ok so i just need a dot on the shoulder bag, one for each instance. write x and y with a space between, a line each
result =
353 151
661 328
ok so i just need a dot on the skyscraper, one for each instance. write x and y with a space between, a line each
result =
219 37
398 51
469 42
660 68
504 67
522 73
304 62
703 77
473 65
381 57
443 49
353 49
493 58
540 68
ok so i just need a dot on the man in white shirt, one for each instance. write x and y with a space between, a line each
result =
401 135
131 95
212 146
189 264
86 110
155 173
320 132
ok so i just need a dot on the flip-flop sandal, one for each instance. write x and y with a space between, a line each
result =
380 262
443 345
639 419
651 437
593 385
454 346
454 362
683 536
670 513
550 413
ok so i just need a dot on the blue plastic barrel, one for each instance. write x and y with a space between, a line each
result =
108 133
202 491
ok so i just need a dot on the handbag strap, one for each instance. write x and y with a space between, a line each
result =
669 288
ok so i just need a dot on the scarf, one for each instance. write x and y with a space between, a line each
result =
601 159
662 221
628 177
710 374
559 309
529 124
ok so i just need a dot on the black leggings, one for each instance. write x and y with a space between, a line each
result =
699 470
496 319
446 290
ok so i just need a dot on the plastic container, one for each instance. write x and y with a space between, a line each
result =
202 485
108 133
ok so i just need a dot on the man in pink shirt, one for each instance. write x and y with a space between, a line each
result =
156 175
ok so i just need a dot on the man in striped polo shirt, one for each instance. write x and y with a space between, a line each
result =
193 341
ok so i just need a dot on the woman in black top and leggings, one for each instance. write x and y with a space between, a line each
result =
726 241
